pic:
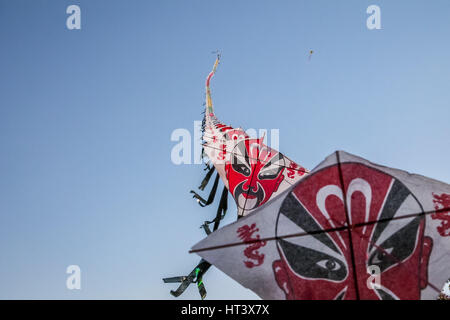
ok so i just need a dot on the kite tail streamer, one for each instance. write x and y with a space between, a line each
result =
209 106
209 110
221 212
195 276
202 202
206 179
205 226
222 209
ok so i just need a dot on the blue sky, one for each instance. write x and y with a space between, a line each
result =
86 117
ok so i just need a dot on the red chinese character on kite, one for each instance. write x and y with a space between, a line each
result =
295 169
245 233
441 203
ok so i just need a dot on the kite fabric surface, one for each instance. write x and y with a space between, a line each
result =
253 172
350 229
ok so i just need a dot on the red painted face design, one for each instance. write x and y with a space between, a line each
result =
331 265
236 135
254 173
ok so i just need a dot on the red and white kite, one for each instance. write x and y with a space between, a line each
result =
350 229
252 172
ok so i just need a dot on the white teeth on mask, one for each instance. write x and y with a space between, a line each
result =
251 203
248 203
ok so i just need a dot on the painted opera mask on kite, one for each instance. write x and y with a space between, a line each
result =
254 173
335 264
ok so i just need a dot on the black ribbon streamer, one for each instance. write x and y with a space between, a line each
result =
202 202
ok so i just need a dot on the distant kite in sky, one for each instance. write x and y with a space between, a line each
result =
310 54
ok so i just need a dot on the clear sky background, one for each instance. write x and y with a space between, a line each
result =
86 117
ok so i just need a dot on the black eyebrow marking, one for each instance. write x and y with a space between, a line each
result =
279 157
295 211
397 195
241 146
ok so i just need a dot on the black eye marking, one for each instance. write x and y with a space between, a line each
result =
271 170
310 263
270 173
